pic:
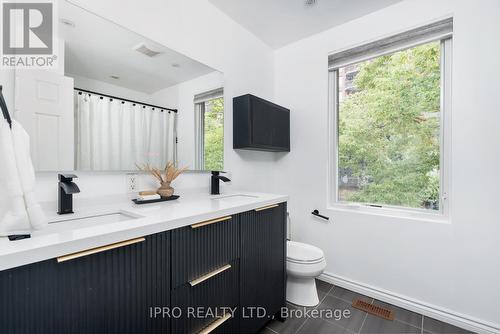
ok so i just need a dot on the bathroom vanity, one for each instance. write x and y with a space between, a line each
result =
197 265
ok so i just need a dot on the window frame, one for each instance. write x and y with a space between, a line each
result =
333 202
199 135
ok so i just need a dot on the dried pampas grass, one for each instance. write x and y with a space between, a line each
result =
168 174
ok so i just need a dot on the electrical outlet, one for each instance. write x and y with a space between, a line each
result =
132 180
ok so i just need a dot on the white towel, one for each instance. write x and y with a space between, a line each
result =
148 197
26 171
20 212
14 219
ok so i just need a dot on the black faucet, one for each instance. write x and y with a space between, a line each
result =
214 189
66 190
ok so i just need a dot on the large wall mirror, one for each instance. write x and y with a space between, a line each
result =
119 99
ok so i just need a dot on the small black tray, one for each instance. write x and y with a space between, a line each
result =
162 199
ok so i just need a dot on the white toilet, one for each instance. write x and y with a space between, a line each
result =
303 264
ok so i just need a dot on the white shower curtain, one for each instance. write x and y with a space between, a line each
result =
115 135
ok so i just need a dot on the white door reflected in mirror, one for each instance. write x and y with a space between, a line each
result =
44 106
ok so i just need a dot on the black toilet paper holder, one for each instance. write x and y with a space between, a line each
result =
317 214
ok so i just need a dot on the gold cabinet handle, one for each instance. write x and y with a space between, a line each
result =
99 249
210 274
213 221
215 324
267 207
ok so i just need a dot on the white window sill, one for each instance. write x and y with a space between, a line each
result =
417 216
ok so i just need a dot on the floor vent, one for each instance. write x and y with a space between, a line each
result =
373 309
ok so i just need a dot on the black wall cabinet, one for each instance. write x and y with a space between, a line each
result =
260 125
235 262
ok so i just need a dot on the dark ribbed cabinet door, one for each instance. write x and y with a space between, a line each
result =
263 265
197 251
108 292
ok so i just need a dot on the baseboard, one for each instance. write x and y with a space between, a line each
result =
433 311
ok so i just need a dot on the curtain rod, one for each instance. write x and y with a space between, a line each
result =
127 100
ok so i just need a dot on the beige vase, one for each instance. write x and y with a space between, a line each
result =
165 190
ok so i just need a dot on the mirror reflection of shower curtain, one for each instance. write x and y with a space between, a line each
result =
115 135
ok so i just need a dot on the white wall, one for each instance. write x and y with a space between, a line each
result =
185 118
448 266
170 94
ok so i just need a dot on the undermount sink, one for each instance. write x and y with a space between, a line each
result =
98 219
233 197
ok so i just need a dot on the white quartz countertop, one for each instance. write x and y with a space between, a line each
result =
66 237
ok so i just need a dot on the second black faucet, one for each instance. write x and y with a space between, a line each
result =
214 189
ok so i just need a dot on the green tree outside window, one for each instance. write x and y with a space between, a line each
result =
214 134
389 129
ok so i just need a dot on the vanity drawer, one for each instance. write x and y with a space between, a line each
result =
204 302
204 247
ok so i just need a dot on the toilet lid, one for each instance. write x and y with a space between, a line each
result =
297 251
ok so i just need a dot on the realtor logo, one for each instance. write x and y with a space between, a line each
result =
28 34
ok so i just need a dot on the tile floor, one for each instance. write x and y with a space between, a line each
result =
336 298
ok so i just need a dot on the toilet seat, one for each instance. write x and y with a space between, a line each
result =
305 262
300 253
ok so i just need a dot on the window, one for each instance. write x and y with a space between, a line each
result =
389 102
209 109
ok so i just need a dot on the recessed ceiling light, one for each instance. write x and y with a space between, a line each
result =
176 65
114 77
67 22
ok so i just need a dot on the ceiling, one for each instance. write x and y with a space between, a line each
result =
280 22
97 49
